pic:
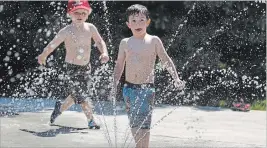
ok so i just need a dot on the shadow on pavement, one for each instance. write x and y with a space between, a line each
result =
55 132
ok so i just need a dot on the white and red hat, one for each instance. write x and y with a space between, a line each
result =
78 4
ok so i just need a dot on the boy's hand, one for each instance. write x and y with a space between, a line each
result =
179 84
42 59
104 58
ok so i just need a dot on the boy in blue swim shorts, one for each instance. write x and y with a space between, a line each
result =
138 55
140 97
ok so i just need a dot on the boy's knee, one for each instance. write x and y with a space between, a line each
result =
86 103
147 126
82 101
79 99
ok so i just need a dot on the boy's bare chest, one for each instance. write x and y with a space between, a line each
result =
140 47
79 37
140 50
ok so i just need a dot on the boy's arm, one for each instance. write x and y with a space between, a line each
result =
119 63
165 59
57 40
100 43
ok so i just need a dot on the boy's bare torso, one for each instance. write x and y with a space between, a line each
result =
140 60
78 44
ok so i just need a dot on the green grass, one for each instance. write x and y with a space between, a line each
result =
222 103
259 105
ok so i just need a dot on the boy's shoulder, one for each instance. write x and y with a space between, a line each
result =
86 24
150 37
90 25
154 37
65 28
125 39
64 31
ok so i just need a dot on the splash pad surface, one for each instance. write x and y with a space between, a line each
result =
184 127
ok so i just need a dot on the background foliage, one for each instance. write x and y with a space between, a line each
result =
219 48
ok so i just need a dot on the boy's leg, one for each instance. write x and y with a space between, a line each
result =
141 103
145 132
81 97
88 111
146 138
141 138
67 86
59 108
67 104
137 134
145 135
144 118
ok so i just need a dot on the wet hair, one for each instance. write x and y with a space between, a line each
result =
136 9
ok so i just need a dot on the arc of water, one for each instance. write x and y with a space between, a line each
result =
139 129
214 85
33 71
113 98
158 122
126 132
114 121
107 134
105 8
48 71
173 36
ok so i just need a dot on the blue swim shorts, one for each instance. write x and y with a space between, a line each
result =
139 100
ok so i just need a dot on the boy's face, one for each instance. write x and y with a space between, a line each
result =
138 23
79 15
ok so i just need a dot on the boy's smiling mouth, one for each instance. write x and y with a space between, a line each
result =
138 29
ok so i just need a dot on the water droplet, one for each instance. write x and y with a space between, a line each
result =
6 58
52 45
48 33
12 79
1 8
10 72
18 76
16 54
81 50
12 31
79 57
9 53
